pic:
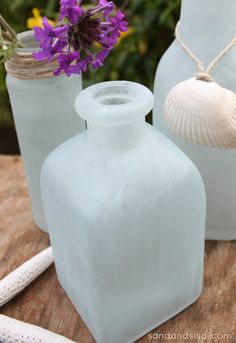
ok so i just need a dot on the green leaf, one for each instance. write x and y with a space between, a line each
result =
6 53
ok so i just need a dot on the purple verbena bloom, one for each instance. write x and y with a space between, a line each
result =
82 37
82 65
71 11
48 54
99 59
107 39
119 24
45 36
108 7
66 61
106 3
65 3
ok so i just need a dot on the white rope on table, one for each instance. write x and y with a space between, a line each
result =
12 330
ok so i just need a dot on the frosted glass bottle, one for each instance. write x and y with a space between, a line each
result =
207 26
44 115
126 215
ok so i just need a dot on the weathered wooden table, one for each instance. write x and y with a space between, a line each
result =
44 302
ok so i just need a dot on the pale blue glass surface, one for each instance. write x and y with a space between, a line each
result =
207 26
126 215
44 116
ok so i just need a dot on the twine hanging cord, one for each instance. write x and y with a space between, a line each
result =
204 74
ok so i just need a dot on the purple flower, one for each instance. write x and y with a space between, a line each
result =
66 61
71 11
106 3
82 66
106 7
100 57
119 24
46 35
108 40
48 54
82 37
68 3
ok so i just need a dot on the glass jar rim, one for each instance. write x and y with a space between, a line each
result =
28 41
114 103
23 65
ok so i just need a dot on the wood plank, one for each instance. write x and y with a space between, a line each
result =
44 302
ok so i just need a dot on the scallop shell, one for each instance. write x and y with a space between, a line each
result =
202 112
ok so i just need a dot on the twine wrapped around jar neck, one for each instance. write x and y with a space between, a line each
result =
22 64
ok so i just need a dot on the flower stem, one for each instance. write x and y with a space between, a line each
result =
8 33
7 27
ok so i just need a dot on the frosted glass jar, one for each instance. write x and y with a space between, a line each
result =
44 115
126 215
206 27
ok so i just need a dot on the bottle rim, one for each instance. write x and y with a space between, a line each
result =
114 103
23 65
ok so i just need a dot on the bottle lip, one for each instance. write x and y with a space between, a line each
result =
114 103
27 39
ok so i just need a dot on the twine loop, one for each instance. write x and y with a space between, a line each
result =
204 73
23 65
204 77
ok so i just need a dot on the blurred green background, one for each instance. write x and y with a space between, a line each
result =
135 58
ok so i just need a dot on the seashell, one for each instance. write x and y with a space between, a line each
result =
202 112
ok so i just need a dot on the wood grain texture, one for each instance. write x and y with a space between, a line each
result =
44 302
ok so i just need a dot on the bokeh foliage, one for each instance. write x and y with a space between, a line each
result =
135 58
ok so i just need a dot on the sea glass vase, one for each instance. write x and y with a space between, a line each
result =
43 110
126 215
206 27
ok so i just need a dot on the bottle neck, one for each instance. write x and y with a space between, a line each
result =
207 26
117 137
